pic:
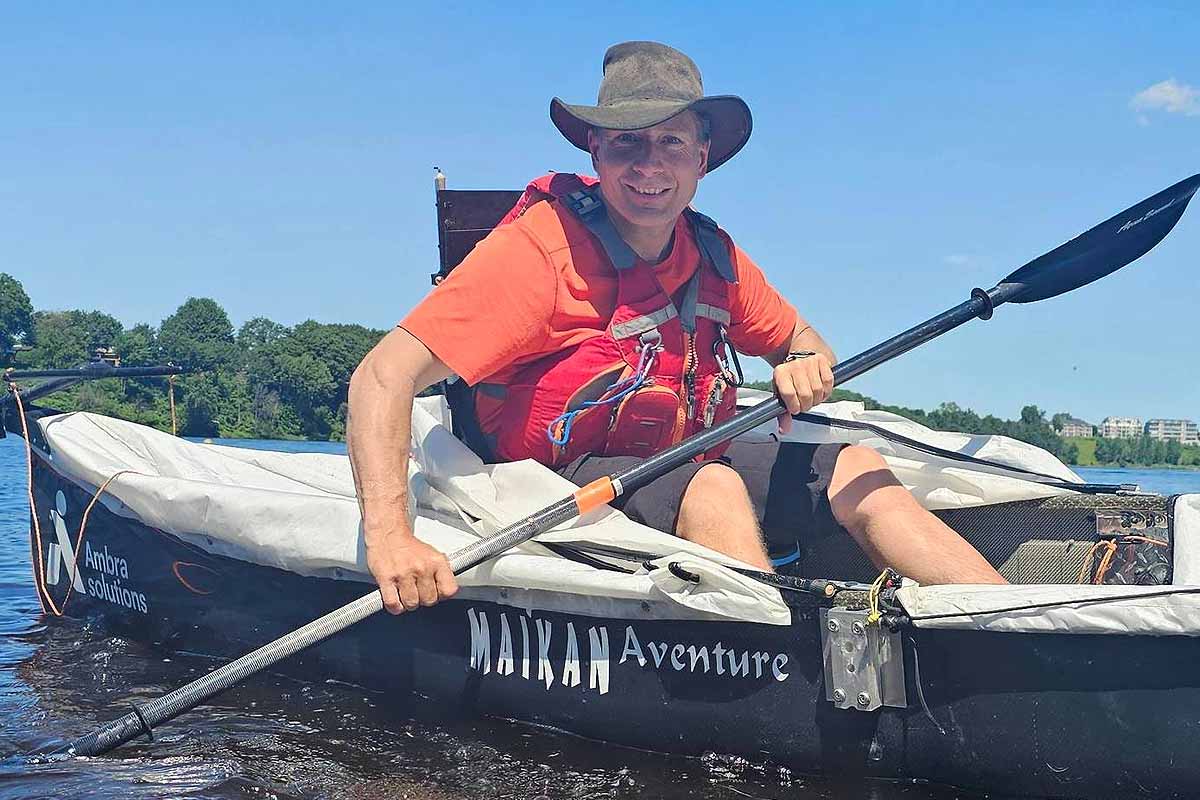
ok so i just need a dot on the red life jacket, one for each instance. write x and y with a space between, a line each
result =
654 376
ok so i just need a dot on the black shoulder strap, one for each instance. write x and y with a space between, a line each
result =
713 246
589 207
687 306
461 399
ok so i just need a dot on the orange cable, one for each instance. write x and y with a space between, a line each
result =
1087 562
1105 563
37 528
171 399
43 594
83 525
1146 539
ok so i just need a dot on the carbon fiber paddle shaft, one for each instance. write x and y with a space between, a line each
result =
171 705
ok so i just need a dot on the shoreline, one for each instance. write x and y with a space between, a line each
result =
1158 467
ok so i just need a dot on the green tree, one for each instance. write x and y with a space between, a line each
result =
198 336
68 338
58 343
255 339
137 346
201 401
16 315
99 329
306 371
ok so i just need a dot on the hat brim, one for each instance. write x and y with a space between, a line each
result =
729 115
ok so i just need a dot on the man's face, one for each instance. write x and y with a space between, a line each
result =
649 176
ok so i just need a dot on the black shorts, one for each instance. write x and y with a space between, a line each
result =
788 484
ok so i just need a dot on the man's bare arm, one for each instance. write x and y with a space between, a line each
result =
379 427
804 337
804 382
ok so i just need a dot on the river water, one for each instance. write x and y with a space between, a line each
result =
277 737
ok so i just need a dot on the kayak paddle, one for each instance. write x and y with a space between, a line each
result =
1092 255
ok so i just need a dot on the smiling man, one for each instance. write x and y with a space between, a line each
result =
599 325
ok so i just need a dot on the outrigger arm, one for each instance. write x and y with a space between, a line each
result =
60 379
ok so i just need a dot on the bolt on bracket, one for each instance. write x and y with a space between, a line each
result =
864 663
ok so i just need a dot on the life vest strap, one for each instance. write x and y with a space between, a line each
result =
717 315
688 304
712 245
464 421
646 322
589 207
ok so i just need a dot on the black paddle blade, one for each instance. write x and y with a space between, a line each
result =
1102 250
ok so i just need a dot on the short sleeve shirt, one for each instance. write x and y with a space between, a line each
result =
542 284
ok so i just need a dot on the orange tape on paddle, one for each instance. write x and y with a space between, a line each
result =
595 494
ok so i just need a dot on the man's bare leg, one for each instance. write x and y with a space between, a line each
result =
716 512
894 530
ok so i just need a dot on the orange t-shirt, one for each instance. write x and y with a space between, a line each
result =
543 283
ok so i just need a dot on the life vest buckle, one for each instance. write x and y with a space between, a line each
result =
651 339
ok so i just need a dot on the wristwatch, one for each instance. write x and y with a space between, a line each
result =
796 355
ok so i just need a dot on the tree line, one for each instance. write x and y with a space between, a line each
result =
270 381
1144 450
263 380
1033 427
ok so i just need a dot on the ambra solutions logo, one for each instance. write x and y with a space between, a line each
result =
112 568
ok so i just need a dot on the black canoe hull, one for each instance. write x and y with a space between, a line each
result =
1057 715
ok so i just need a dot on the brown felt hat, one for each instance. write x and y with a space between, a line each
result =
646 83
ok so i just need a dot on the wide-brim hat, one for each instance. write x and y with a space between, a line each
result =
646 83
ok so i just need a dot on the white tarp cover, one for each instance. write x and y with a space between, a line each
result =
1131 610
1186 568
936 482
297 511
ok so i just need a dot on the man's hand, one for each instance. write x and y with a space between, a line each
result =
801 384
409 572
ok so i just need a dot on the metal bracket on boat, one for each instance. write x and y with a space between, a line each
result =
864 663
1131 522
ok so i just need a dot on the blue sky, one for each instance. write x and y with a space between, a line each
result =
278 158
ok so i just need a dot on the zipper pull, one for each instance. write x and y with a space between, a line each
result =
714 400
689 376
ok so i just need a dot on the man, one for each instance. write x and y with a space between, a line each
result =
595 329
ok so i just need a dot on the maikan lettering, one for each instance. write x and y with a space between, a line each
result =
532 646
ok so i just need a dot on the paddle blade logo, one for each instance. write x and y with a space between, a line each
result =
1146 216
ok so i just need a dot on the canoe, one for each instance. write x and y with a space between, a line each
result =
609 630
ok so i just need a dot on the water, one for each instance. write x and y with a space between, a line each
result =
276 737
1160 481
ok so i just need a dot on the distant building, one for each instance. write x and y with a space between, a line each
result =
1179 430
1076 427
1121 427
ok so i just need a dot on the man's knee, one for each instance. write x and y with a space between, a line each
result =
715 484
859 472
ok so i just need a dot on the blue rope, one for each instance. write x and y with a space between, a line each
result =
635 382
788 559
